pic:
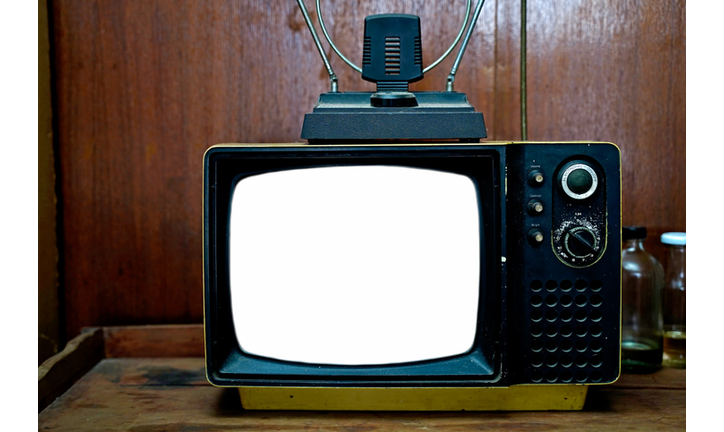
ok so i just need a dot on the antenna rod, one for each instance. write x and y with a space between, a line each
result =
454 70
523 73
310 26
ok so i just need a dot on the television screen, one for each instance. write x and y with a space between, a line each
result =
355 265
374 264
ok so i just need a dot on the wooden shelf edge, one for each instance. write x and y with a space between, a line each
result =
58 373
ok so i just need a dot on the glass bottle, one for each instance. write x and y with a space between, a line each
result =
675 300
641 316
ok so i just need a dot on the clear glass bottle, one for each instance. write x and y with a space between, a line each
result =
675 300
641 315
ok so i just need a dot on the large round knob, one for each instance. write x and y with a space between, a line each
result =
580 242
578 180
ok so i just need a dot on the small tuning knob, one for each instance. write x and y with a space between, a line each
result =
580 242
535 207
535 178
535 237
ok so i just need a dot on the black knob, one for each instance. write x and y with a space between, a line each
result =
578 180
535 237
580 242
535 207
535 178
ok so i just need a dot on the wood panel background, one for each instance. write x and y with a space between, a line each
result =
142 88
49 326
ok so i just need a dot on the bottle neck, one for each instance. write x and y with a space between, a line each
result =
633 244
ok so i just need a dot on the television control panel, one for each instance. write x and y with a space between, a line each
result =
563 212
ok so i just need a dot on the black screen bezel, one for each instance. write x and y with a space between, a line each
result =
227 365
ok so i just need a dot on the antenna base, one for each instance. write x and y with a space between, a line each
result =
352 117
393 100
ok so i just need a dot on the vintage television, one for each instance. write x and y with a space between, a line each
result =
398 263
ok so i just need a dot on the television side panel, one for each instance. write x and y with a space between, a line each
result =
564 262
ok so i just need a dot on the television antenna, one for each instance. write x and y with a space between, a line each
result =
468 24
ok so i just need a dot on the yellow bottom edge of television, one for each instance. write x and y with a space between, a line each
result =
565 397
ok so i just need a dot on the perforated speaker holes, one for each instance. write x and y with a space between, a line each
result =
566 333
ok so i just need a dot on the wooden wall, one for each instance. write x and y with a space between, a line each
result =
142 88
49 327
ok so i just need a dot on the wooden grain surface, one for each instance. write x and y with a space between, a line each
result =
615 71
143 88
154 341
173 395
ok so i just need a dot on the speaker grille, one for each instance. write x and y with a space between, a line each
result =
566 332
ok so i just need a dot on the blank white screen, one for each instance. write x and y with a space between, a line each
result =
359 265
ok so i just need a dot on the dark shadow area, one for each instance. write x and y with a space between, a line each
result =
170 376
598 400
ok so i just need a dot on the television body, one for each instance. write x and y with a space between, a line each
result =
415 276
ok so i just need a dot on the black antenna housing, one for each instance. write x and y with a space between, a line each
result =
392 58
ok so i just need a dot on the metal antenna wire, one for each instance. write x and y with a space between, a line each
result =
451 77
317 42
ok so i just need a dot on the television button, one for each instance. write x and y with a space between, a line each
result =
580 242
579 180
535 237
535 178
535 207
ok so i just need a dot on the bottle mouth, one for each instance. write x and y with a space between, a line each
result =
633 233
674 238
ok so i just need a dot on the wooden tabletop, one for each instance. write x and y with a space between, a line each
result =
172 394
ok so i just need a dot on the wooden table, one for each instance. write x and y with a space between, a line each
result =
172 394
